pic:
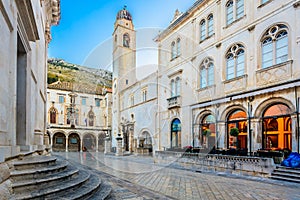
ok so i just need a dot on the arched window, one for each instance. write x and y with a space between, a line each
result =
178 47
234 10
210 28
237 119
208 131
177 87
91 117
206 73
235 61
275 46
173 50
53 114
275 132
229 12
126 40
202 30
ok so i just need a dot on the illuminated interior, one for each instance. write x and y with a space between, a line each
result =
277 128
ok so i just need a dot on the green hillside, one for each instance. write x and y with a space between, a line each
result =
66 72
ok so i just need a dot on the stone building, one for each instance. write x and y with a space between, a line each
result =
222 65
78 116
237 66
25 34
134 102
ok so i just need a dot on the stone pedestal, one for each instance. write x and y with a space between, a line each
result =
119 150
107 145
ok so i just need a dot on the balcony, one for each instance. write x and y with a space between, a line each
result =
174 102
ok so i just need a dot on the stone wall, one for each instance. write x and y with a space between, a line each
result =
240 165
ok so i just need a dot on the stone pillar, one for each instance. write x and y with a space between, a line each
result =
119 151
130 141
257 134
107 145
294 142
67 144
222 135
97 143
81 144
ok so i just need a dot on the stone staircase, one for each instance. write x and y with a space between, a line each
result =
48 177
286 174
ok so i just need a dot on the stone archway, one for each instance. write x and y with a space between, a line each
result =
74 142
89 142
59 142
145 141
101 141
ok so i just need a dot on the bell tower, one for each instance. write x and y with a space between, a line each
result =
124 50
124 64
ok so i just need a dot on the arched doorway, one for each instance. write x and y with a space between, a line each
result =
277 131
237 119
89 142
145 141
101 141
59 142
176 133
74 142
207 136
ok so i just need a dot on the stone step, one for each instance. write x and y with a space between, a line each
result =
36 173
286 175
61 187
102 193
48 181
290 171
86 190
34 162
287 168
282 178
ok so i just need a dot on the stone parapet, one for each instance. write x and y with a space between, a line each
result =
240 165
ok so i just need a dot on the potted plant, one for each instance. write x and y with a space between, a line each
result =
234 132
206 132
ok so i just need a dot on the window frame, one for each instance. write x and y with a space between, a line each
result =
232 55
270 39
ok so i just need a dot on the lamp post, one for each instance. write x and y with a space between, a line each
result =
72 117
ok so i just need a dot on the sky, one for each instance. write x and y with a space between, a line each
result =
83 35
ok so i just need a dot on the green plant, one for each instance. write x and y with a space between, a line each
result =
234 132
206 132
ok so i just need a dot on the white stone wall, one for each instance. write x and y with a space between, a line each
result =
29 86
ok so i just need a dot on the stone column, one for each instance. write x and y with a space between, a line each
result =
107 144
119 151
222 135
257 134
294 142
67 144
97 143
81 144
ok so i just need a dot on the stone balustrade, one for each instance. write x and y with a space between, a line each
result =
241 165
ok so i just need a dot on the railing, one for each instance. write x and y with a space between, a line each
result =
174 102
243 165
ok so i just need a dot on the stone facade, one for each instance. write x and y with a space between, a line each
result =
134 102
238 66
81 123
25 34
222 65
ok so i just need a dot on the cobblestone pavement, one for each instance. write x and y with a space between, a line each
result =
146 179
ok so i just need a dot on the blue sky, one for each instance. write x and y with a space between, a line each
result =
84 25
